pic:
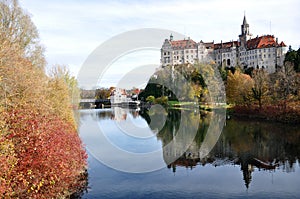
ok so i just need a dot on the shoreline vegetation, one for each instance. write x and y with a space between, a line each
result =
250 93
41 154
272 113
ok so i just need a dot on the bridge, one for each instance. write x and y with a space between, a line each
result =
94 100
94 103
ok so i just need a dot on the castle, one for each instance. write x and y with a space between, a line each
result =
257 52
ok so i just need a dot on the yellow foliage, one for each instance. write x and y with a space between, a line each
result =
239 88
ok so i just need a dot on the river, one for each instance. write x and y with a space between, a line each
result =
159 154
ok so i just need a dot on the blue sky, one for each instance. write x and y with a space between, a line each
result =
70 30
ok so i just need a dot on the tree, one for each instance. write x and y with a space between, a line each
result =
17 29
285 83
102 93
150 99
260 89
63 92
293 57
239 88
41 155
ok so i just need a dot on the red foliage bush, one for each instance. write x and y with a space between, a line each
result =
288 114
49 152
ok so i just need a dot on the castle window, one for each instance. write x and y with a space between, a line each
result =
228 62
264 55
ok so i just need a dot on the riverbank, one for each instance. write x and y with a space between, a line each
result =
274 113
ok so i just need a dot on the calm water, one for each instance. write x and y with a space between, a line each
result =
250 159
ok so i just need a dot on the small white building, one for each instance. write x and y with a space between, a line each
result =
118 96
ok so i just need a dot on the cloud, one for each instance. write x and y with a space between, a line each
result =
71 30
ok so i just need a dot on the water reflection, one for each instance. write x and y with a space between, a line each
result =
253 147
250 144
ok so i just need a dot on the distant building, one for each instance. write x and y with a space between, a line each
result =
118 96
257 52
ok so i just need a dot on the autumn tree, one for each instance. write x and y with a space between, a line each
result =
63 92
260 89
16 28
285 83
239 88
41 155
102 93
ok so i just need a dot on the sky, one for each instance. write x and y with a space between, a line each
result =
71 30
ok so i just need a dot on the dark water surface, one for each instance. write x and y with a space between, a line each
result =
251 159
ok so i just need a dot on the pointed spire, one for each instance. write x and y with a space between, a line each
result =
245 26
245 20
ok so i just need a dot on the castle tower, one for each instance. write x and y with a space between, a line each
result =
245 27
171 37
245 33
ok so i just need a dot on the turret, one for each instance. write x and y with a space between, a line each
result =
245 33
245 27
171 37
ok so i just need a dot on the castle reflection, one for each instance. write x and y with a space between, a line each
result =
252 145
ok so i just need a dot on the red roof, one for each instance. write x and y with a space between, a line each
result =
226 44
184 44
282 44
209 45
266 41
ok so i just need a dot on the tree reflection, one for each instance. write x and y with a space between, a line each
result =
250 144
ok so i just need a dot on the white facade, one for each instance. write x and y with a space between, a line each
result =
259 52
118 96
